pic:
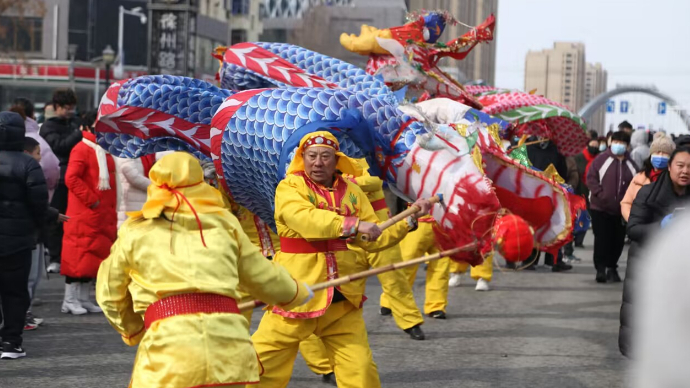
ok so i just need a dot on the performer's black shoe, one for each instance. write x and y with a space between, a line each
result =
415 333
612 276
601 276
329 379
560 267
437 314
385 311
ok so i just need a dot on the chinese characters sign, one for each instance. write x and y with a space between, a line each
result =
172 37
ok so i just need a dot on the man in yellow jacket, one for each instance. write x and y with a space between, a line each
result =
394 283
316 212
171 283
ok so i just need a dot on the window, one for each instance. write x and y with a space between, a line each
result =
238 7
567 87
567 100
568 68
238 36
21 34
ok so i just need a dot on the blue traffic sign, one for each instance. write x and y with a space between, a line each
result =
625 105
610 106
662 108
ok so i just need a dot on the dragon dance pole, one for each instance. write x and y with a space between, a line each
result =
372 272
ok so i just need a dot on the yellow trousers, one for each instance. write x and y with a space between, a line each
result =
483 271
397 289
315 355
420 243
344 337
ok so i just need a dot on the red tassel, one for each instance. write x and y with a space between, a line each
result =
179 195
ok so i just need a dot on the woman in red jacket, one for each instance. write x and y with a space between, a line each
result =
92 227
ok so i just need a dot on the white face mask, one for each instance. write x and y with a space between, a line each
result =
618 149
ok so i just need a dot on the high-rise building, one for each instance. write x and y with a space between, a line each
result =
317 25
558 73
480 64
595 84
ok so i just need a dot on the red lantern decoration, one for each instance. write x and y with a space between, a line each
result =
513 238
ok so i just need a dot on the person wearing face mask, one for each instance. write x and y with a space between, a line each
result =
603 144
608 179
661 149
654 205
61 135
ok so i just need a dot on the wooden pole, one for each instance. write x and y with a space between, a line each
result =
372 272
401 216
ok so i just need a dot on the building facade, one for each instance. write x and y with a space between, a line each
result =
480 64
558 73
59 43
317 25
596 79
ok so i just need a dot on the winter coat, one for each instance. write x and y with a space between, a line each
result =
61 137
541 158
49 162
90 232
608 179
640 148
652 203
23 191
626 204
583 161
133 185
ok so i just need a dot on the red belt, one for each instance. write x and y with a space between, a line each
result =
379 204
300 245
189 304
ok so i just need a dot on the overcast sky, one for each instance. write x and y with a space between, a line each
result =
637 41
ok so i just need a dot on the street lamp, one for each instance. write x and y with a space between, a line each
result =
108 56
72 50
136 11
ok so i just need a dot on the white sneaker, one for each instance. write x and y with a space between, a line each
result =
455 279
54 268
482 285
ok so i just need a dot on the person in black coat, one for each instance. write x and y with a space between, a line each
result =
654 205
61 133
23 207
542 155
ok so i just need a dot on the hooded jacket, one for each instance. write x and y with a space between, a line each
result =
608 179
640 147
23 191
49 162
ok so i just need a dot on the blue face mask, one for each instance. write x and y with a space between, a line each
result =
659 161
618 149
602 147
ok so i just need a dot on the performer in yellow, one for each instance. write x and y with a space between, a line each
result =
422 242
170 284
394 283
316 210
482 273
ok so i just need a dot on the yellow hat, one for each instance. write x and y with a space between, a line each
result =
178 186
345 164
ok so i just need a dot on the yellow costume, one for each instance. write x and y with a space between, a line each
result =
483 271
313 222
184 246
420 243
394 283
